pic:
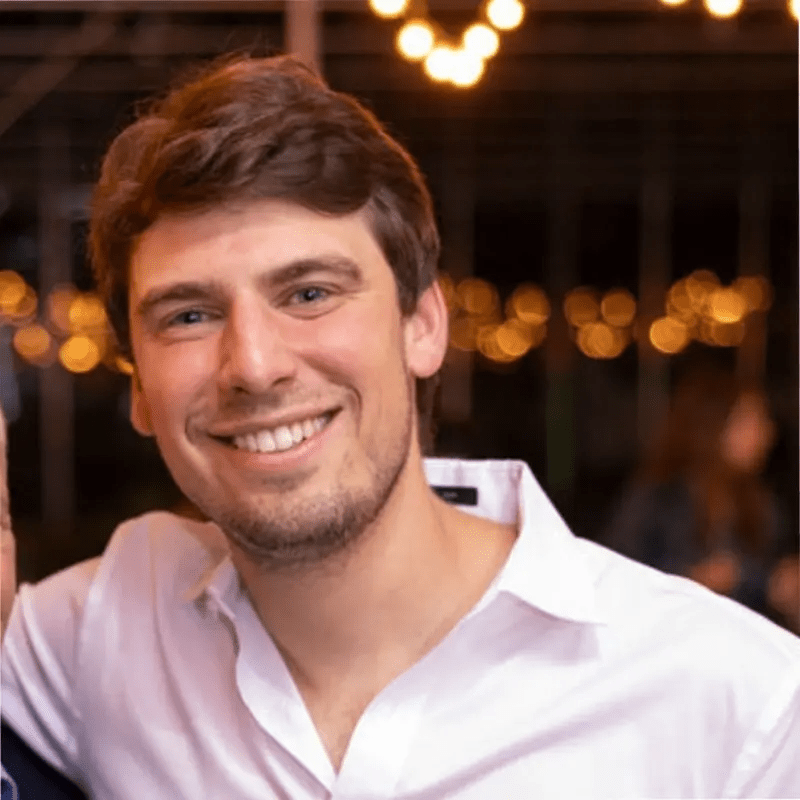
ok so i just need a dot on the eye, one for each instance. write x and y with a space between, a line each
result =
191 316
308 294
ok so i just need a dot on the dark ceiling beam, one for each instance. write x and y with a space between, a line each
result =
359 34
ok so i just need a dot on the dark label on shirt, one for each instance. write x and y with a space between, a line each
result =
460 495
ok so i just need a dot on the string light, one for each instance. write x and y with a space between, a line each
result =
505 15
481 40
388 9
466 68
439 63
723 8
415 39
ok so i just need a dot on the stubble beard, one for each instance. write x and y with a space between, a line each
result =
311 532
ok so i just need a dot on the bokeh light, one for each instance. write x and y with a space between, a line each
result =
481 40
581 306
86 313
34 343
80 354
673 2
529 304
679 303
477 296
514 338
601 340
12 291
388 9
415 39
618 308
756 290
794 8
439 63
505 14
58 304
489 346
726 305
669 335
699 286
723 8
466 68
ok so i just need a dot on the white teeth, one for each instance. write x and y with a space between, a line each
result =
297 433
281 438
266 442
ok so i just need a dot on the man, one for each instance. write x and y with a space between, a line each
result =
268 257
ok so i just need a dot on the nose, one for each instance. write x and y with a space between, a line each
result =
256 354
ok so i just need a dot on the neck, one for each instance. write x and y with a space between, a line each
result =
366 615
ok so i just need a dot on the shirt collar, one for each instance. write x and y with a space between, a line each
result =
546 569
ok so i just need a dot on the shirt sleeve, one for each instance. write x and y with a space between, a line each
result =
768 765
40 676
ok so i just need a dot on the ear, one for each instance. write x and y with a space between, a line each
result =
426 333
140 410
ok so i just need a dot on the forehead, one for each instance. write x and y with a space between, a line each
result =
238 242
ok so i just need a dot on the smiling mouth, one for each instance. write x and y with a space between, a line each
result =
281 438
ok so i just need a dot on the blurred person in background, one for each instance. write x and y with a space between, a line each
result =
699 505
353 620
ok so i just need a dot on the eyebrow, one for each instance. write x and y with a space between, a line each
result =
281 276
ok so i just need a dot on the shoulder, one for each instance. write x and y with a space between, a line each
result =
690 630
157 547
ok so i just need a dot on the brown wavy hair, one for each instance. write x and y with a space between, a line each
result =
244 129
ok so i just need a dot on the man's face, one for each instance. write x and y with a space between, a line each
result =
276 372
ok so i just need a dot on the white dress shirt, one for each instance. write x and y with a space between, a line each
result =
580 674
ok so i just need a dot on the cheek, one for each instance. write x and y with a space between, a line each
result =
171 381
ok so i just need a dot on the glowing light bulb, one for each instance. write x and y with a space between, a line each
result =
723 8
481 40
415 40
466 68
505 15
388 8
439 63
794 9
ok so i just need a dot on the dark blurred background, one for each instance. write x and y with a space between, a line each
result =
610 144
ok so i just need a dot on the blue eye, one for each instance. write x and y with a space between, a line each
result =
190 317
310 294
